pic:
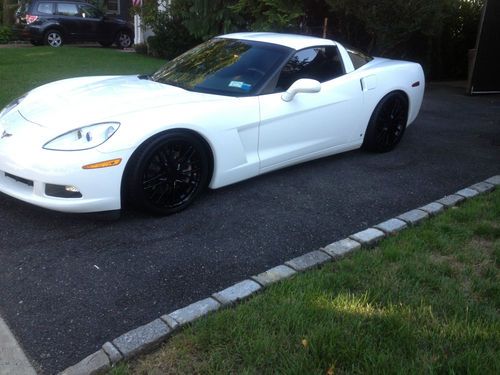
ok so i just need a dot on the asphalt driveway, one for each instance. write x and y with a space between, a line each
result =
69 283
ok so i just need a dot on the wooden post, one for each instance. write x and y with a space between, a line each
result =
325 26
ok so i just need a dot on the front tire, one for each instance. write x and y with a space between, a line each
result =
53 38
166 174
387 123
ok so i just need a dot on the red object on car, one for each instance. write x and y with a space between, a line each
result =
30 18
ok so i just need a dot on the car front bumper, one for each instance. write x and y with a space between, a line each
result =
26 169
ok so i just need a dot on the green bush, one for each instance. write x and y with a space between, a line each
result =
171 38
5 34
141 48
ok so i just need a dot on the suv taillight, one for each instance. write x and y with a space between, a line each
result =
30 18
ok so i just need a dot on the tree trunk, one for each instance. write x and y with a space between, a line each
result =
8 12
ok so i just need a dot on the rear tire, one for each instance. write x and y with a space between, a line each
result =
387 123
123 39
53 38
166 174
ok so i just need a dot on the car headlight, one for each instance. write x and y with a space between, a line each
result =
12 105
83 138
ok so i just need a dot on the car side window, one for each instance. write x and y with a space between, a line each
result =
87 11
66 9
358 58
45 8
322 63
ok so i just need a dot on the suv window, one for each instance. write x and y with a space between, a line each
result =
45 8
319 63
89 12
66 9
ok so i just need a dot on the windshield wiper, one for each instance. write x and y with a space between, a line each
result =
144 76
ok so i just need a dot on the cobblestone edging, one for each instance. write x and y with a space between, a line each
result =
142 339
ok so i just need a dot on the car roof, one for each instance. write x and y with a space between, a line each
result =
294 41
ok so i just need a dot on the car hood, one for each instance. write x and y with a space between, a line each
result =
71 103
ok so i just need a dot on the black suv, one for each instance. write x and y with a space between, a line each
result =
54 22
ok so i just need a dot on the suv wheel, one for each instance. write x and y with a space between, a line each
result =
53 38
123 39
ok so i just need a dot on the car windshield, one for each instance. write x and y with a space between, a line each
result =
224 66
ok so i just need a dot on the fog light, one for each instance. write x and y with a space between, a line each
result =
62 191
71 189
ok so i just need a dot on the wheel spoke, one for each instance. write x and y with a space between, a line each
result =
152 182
159 199
162 159
187 155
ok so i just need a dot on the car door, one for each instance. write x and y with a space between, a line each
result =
92 23
70 20
311 124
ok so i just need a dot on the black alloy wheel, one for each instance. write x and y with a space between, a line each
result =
168 174
387 123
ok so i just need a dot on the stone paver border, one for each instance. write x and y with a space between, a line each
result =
148 336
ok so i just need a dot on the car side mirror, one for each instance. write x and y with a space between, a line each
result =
304 85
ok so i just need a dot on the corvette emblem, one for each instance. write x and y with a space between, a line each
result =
5 135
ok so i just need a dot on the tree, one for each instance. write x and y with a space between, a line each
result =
207 18
267 15
436 33
387 25
8 9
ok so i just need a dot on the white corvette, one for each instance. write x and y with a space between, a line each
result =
232 108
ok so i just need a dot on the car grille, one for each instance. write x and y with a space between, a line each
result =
19 179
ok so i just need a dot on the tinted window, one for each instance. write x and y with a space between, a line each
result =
65 9
45 8
224 66
89 12
358 58
319 63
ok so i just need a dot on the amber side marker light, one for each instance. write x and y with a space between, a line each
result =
103 164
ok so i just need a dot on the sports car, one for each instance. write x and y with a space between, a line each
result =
232 108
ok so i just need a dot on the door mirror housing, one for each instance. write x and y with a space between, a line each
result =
303 85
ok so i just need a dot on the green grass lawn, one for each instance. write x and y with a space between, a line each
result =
424 301
22 69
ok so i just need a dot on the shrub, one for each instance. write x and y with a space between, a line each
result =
5 34
141 48
171 38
